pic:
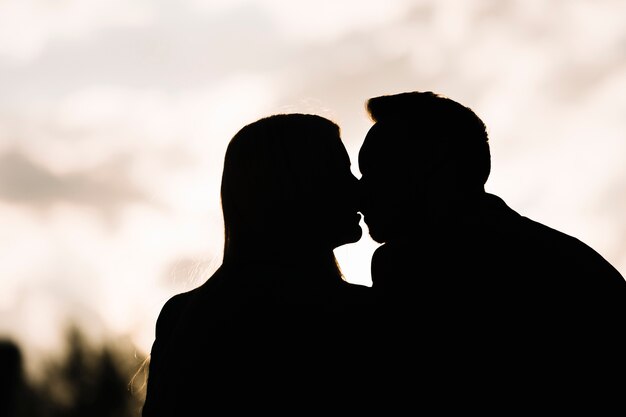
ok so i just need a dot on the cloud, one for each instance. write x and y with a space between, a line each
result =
28 26
105 188
315 22
179 50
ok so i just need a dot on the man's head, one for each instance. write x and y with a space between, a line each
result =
423 152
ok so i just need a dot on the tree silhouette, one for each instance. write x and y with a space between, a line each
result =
87 381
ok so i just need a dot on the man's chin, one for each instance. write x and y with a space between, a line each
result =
377 233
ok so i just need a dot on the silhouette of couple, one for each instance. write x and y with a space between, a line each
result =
464 289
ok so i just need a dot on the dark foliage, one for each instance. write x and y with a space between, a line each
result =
94 381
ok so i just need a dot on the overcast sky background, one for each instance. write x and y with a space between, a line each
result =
115 114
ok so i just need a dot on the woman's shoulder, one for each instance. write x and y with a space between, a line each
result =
177 304
171 311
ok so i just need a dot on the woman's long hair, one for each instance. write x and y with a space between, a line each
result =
275 171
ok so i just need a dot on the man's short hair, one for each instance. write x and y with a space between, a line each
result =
430 116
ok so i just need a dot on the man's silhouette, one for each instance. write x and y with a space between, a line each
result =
469 289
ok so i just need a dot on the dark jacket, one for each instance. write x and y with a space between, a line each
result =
490 299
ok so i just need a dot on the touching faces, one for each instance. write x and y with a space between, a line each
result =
334 215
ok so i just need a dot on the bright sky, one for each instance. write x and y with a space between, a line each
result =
114 116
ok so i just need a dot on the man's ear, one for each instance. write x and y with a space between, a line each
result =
444 179
444 188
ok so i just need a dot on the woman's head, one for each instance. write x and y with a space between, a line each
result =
287 182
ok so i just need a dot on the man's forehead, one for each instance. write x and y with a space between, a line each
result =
391 128
384 138
396 137
399 142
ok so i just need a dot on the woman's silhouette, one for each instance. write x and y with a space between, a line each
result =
276 326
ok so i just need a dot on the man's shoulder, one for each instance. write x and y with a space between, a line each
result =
563 249
530 231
